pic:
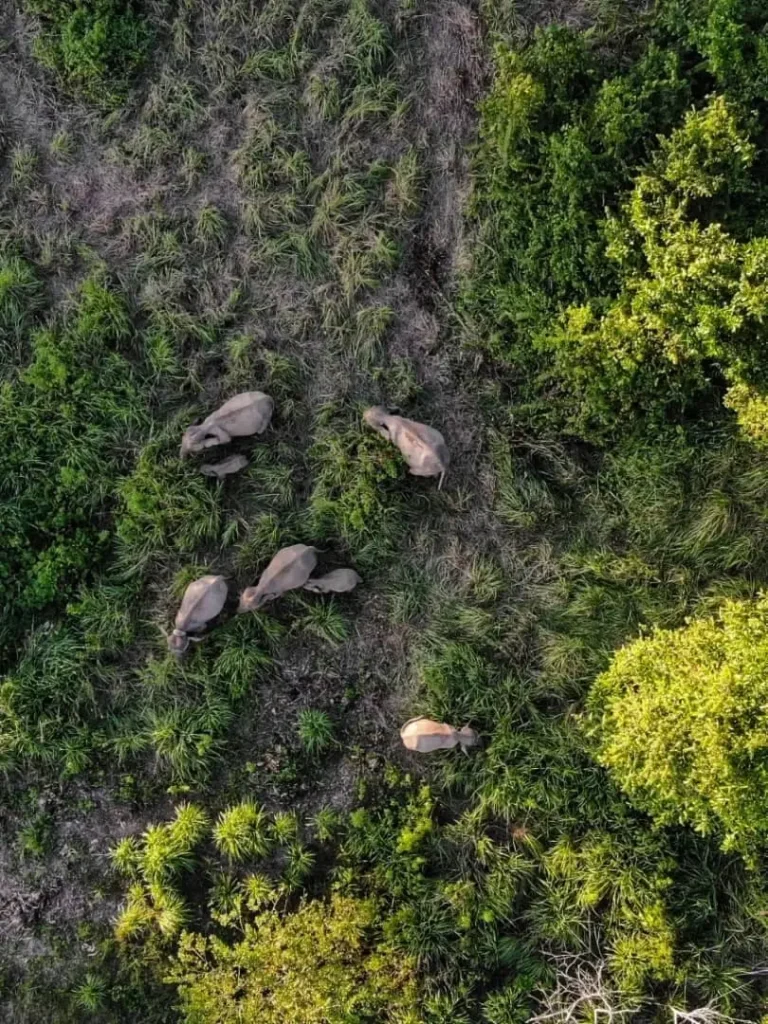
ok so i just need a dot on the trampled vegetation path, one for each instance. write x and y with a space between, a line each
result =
538 227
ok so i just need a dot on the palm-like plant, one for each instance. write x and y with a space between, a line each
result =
242 831
315 730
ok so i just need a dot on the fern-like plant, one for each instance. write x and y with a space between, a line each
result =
315 730
243 831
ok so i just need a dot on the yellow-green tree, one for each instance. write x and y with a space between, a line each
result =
321 964
681 720
693 294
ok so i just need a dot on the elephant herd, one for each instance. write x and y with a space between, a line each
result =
425 452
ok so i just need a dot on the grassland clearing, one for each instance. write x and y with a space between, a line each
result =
281 197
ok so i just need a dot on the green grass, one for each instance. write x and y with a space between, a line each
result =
263 209
355 493
315 730
20 297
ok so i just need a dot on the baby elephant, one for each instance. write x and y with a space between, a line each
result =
424 735
340 581
243 415
232 464
422 447
202 602
289 569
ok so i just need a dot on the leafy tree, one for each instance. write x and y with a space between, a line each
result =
562 133
620 211
693 297
322 963
681 720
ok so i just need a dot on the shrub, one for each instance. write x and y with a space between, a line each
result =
731 35
692 300
681 720
751 408
323 962
622 240
96 45
560 132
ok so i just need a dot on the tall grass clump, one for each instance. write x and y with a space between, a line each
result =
355 495
20 299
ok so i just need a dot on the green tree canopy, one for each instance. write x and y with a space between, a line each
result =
693 297
681 720
319 965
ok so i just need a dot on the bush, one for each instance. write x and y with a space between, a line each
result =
96 45
560 134
681 720
731 35
621 215
692 299
323 962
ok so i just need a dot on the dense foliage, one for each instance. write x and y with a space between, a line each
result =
630 297
680 719
67 425
317 963
691 303
617 283
95 45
